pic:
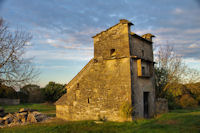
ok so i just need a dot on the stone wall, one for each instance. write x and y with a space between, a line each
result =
99 93
116 38
6 101
161 106
137 45
144 83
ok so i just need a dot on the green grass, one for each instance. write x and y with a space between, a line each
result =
176 121
44 108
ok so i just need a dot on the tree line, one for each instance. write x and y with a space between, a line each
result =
33 93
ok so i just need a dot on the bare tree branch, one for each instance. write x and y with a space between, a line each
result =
177 76
14 68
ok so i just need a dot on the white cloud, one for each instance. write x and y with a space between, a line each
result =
46 55
193 63
59 43
165 30
53 67
195 45
192 60
193 31
177 11
50 41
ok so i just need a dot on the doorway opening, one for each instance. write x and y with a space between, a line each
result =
146 104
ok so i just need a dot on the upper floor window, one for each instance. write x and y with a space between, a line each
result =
112 52
143 68
142 53
143 71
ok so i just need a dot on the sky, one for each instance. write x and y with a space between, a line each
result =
62 29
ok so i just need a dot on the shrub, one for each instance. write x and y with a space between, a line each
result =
7 92
126 110
198 99
23 97
187 101
173 102
26 93
53 91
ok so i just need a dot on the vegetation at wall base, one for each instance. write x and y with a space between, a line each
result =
176 121
126 110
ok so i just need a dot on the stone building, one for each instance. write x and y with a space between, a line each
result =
120 72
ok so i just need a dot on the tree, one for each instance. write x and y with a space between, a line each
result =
7 92
14 68
31 93
161 81
173 78
53 91
170 71
29 88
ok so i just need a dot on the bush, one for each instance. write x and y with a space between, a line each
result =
53 91
173 102
187 101
7 92
126 110
23 97
27 91
198 99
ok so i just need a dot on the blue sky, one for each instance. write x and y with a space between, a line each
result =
62 29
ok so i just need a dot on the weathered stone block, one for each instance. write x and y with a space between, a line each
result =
31 118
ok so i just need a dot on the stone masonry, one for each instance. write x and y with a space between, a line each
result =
120 72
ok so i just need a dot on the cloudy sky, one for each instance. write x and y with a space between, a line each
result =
62 29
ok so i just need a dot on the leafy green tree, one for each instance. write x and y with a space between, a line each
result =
29 88
53 91
161 81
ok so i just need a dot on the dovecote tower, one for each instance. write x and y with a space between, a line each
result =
121 73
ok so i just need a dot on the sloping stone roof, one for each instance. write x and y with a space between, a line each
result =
123 21
63 100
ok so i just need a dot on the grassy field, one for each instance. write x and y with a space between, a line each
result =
176 121
44 108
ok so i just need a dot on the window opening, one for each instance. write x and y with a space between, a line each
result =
112 52
77 85
146 104
142 53
143 71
